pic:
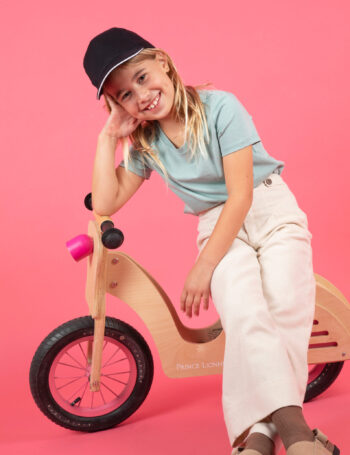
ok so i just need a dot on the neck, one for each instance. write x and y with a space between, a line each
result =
171 125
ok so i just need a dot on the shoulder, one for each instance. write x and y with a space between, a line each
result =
215 96
227 113
218 101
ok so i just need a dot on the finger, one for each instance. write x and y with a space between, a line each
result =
135 121
112 103
108 105
189 302
205 301
196 304
183 300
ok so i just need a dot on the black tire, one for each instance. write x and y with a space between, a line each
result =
117 333
325 375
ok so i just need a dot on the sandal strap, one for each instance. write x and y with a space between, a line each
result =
320 436
325 441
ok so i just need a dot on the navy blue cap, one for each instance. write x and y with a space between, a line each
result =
108 50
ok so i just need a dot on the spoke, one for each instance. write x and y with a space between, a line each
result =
76 361
113 379
69 365
116 361
81 399
68 377
103 398
75 393
92 399
118 349
104 385
70 382
113 374
82 351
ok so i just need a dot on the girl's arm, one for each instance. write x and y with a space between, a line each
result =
105 184
238 170
104 180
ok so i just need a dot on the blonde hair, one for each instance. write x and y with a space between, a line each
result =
187 108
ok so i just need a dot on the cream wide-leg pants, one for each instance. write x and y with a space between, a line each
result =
264 292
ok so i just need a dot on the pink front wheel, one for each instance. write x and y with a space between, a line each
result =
60 369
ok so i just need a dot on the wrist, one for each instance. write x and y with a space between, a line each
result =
105 137
206 262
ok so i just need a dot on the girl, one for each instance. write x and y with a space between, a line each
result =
255 256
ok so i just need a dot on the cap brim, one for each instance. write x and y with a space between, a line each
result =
111 69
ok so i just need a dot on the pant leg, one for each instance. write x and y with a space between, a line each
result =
259 373
258 376
205 227
280 260
289 286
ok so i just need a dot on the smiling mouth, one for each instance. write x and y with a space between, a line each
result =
154 103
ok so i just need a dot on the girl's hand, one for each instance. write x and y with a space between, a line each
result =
196 288
119 123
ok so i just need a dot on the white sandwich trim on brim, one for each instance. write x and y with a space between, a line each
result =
115 66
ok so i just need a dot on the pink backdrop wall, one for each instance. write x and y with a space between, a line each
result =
288 63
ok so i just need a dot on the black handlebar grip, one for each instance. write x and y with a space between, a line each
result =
88 201
107 224
112 238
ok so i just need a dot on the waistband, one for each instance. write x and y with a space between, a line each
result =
272 178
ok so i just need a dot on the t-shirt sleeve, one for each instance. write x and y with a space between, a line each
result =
136 165
234 125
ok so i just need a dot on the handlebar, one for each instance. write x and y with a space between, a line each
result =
111 237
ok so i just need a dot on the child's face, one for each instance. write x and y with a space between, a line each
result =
136 95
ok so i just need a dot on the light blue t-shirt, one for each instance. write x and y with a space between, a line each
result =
200 183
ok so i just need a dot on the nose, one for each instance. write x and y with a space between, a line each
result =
144 98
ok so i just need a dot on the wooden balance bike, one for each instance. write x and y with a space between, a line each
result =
93 372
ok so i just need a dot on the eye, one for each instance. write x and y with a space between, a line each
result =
144 75
140 78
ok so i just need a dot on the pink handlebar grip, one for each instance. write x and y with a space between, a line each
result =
80 246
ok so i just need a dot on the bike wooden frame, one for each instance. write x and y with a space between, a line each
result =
185 351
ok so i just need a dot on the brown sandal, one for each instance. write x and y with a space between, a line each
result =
320 446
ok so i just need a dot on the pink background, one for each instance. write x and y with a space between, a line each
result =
287 62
